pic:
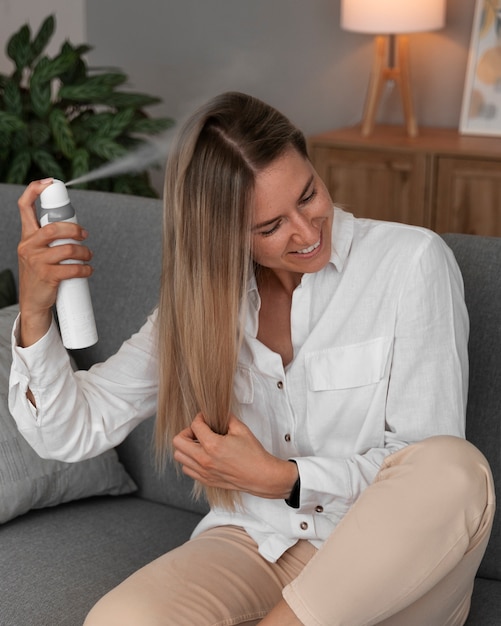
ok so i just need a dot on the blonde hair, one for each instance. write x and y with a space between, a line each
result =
207 259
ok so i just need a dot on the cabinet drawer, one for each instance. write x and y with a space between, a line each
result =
468 198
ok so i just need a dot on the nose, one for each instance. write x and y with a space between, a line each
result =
305 229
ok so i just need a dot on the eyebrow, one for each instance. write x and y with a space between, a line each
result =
274 219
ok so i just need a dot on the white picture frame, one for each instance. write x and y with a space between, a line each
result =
481 105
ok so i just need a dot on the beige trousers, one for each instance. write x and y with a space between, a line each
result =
406 554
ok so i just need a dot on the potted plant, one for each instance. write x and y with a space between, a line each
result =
60 118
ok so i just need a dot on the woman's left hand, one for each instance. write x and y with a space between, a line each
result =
234 461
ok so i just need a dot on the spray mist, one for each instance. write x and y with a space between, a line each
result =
73 304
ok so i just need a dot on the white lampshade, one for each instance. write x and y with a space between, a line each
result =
392 16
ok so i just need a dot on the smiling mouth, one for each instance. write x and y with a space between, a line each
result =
309 249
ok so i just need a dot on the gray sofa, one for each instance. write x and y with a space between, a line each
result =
56 561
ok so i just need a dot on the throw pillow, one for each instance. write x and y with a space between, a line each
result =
8 294
30 482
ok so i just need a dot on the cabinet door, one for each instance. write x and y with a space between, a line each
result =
468 196
379 184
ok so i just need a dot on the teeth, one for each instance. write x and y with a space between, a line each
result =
310 249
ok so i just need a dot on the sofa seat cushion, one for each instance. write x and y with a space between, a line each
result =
56 563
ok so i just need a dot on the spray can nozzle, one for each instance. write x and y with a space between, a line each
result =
55 195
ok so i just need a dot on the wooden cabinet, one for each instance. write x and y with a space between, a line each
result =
442 180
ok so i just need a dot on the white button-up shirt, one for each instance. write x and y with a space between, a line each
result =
380 361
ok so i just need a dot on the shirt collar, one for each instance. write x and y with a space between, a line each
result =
342 237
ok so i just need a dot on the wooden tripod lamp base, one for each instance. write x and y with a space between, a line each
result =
391 63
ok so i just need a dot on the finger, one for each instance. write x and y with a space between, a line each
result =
26 204
61 230
66 271
67 252
203 433
183 441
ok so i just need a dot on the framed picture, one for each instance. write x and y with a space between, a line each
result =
481 107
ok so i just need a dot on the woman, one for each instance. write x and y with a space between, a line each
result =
311 373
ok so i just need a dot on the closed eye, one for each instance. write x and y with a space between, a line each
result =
273 229
308 198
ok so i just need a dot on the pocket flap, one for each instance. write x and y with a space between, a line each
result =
346 367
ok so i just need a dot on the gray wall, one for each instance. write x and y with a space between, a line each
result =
291 53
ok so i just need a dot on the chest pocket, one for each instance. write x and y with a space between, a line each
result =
346 397
348 367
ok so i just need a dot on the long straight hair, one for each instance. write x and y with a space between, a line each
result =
207 259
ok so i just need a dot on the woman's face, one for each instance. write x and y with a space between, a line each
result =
293 213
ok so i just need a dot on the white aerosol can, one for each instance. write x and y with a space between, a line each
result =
73 304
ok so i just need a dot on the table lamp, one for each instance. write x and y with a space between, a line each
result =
391 20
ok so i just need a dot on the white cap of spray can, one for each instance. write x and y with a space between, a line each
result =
73 304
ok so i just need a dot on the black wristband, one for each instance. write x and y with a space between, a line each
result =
295 494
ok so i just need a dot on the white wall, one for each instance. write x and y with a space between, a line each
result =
70 22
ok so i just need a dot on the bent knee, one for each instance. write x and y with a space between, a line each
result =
451 467
458 455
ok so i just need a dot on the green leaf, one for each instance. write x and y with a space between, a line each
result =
150 126
111 79
79 163
75 74
91 123
40 94
39 72
43 37
113 124
47 164
61 130
39 133
84 93
10 123
19 47
105 148
123 99
12 98
92 88
18 169
48 69
79 50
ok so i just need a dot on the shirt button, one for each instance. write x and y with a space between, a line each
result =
280 384
319 509
287 438
304 526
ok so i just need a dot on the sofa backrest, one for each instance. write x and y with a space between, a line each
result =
480 261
